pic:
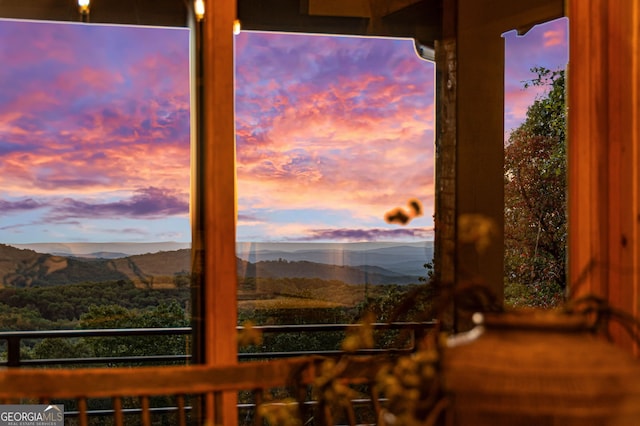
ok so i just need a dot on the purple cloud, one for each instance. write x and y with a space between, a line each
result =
377 234
22 205
146 203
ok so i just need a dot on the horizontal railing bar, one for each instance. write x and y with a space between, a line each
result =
242 356
170 409
105 360
187 408
329 353
127 411
290 328
13 338
285 328
98 332
312 402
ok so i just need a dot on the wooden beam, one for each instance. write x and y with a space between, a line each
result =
445 143
387 7
218 187
358 8
504 15
150 381
480 141
604 154
214 214
344 8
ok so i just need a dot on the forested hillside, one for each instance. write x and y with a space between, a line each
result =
167 269
282 268
26 268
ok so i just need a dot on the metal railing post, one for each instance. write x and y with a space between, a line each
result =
13 351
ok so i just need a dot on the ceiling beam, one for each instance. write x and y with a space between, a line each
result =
358 8
344 8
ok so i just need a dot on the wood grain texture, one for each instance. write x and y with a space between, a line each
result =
143 383
214 230
603 153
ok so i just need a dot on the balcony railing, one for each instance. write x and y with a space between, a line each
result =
15 339
178 394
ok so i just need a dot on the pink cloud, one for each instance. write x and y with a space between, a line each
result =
554 37
517 101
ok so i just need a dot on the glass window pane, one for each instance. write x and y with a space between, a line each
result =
94 179
333 133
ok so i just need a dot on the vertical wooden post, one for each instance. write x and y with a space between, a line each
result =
214 201
604 153
446 124
480 136
445 143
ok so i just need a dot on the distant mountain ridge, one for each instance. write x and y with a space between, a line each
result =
102 250
365 274
405 259
25 268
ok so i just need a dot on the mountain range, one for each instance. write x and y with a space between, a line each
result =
399 264
103 250
400 258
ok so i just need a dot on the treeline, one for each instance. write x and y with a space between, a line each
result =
120 304
41 308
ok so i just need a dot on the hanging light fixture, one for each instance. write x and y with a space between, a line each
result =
198 8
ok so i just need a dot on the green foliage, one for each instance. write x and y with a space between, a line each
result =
535 198
94 305
532 296
114 316
381 301
26 317
182 279
62 348
120 304
62 306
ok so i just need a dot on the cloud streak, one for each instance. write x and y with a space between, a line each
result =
377 234
146 203
17 206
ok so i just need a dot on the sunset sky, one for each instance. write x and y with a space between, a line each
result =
332 132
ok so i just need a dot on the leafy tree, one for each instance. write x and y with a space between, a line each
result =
114 316
62 348
25 318
62 306
535 197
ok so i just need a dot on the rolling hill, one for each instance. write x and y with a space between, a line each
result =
27 268
365 274
404 259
